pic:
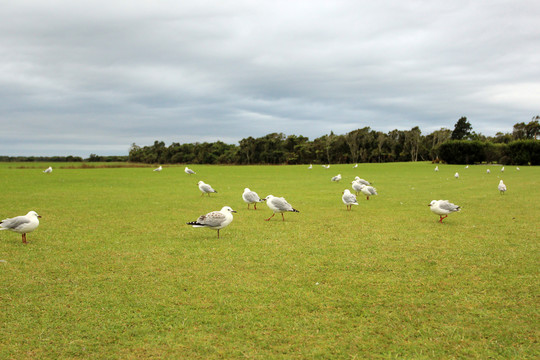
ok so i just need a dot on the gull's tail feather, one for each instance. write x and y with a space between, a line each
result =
294 210
195 224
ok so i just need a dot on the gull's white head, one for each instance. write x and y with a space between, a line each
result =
227 209
33 213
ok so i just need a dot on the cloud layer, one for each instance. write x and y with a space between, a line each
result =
80 78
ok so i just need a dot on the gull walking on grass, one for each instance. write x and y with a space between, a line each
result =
216 220
278 205
436 168
336 178
443 207
158 169
251 197
310 167
456 175
368 191
357 186
488 171
48 170
189 171
502 187
21 224
349 199
205 188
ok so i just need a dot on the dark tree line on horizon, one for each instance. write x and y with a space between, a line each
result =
461 145
358 146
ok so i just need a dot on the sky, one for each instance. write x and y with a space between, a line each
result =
94 77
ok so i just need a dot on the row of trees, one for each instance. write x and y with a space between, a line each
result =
361 145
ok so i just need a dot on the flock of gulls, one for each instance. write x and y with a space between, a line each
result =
218 220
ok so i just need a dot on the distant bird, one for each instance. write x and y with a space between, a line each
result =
326 166
368 191
310 166
456 175
189 171
466 167
205 188
362 181
349 199
48 170
251 197
159 168
517 168
336 178
502 187
278 205
443 207
502 169
21 224
436 168
216 220
355 166
357 186
487 171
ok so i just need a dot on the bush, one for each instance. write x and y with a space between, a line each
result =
462 152
523 152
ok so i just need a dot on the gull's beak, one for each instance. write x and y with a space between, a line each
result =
234 211
39 216
428 204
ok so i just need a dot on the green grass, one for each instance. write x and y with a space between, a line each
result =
113 271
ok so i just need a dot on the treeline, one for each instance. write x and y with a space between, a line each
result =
462 145
69 158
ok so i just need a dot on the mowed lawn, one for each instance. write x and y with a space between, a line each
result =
113 271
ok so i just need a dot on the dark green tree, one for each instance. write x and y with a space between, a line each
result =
462 129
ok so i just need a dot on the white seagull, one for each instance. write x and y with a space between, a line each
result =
502 169
48 170
466 167
336 178
215 220
456 175
357 186
436 168
326 166
251 197
368 191
189 171
278 205
21 224
487 171
205 188
517 168
159 168
349 199
310 166
443 207
362 181
502 187
355 166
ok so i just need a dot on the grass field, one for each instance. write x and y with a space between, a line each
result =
113 271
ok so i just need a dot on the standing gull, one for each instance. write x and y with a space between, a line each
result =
349 199
487 171
361 181
189 171
355 166
357 186
278 205
443 207
336 178
48 170
215 220
251 197
310 166
502 169
21 224
158 168
205 188
502 187
456 175
436 168
368 191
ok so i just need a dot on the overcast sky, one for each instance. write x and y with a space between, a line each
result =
96 76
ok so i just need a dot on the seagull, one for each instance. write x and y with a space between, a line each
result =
159 168
326 166
456 175
48 170
443 207
362 181
310 166
502 187
278 205
466 167
355 166
336 178
205 188
368 191
349 199
517 168
21 224
502 169
357 186
215 220
251 197
437 168
487 171
189 171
